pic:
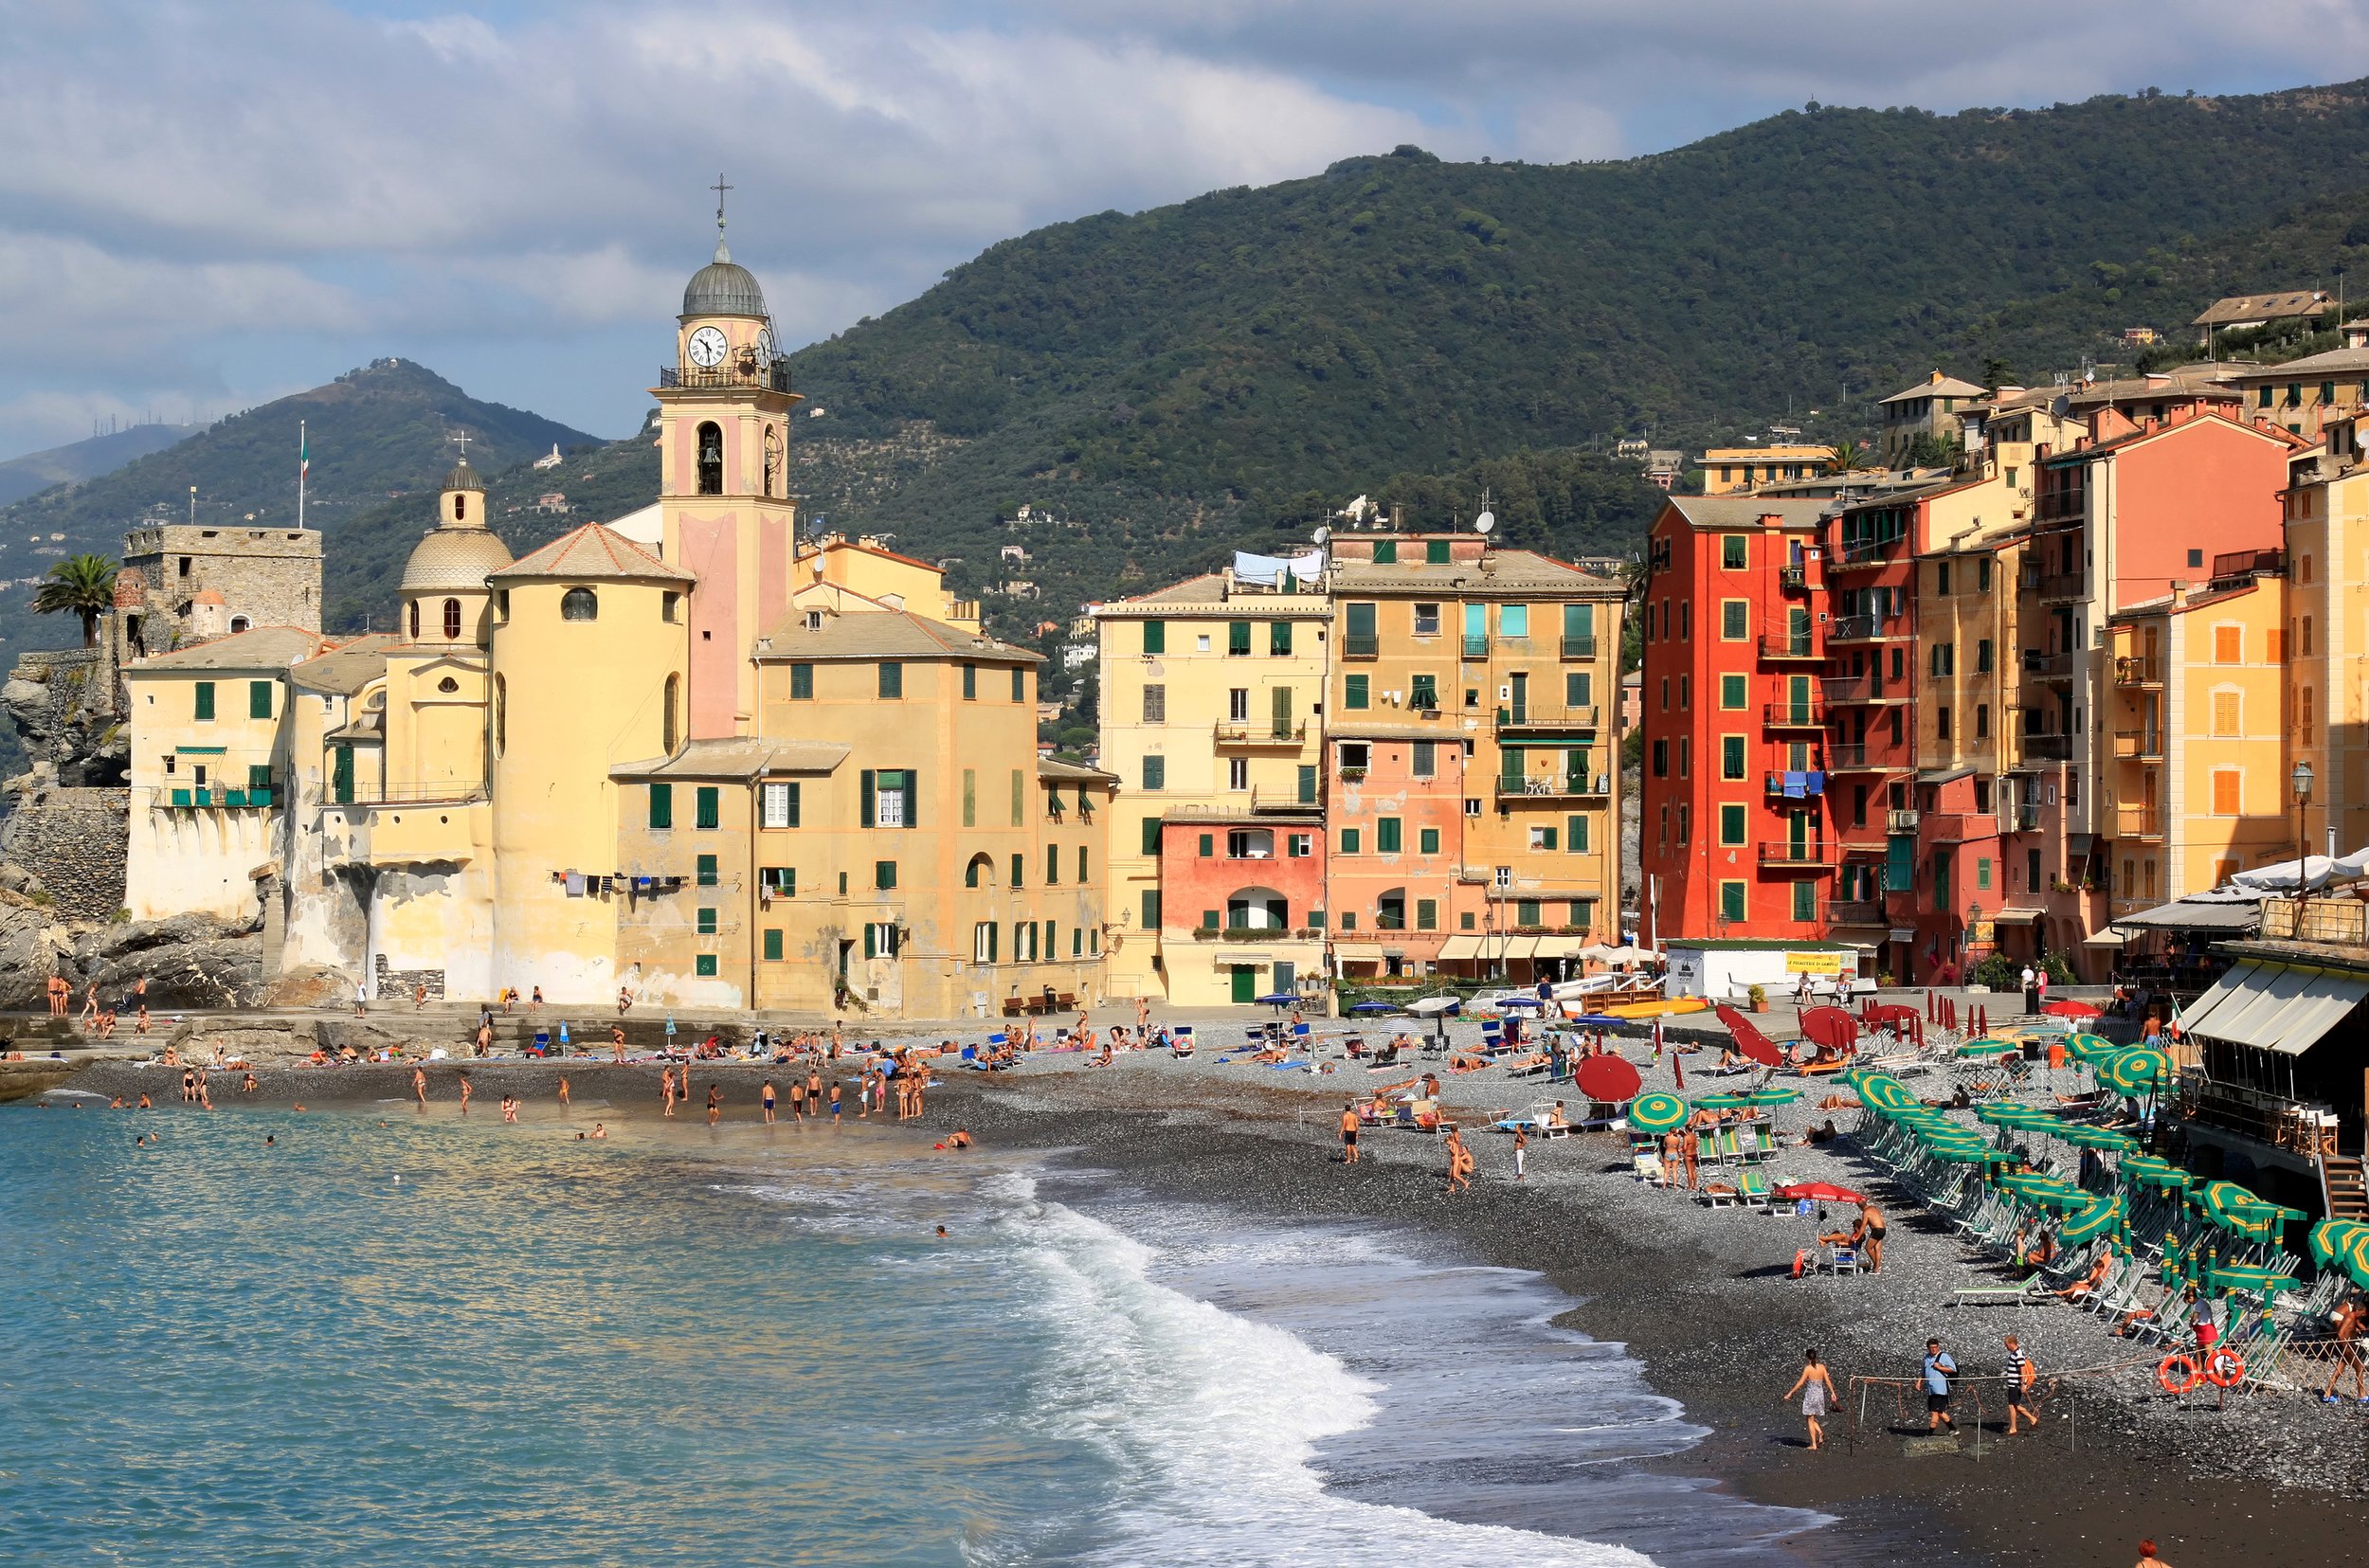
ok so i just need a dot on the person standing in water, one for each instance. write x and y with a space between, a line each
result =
418 1086
563 1091
766 1096
715 1105
667 1086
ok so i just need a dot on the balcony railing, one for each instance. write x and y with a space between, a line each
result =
2232 565
1861 552
1899 822
2027 819
1861 758
2047 666
2140 744
2139 822
1531 716
2138 670
1856 911
1806 714
1794 578
1475 647
1282 798
2341 920
1813 781
1579 647
1808 853
2062 585
740 370
2047 748
1790 647
213 796
1554 785
1236 732
456 791
1869 628
1852 691
1356 646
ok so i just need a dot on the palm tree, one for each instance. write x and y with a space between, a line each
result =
1850 456
85 585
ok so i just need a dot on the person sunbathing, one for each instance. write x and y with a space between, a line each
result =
1729 1058
2089 1282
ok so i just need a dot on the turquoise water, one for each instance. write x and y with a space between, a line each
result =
414 1341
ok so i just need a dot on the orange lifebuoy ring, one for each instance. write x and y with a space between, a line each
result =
2177 1374
2225 1368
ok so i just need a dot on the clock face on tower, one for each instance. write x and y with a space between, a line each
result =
764 347
707 348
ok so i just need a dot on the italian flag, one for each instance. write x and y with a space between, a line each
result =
304 453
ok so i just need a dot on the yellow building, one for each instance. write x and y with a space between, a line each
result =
692 758
2198 725
1212 709
2327 508
1929 409
1731 469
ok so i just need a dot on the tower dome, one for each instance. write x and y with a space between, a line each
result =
464 477
450 559
723 287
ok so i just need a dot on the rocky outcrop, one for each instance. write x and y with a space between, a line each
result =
64 709
190 960
70 844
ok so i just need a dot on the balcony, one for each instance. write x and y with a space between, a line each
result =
1356 646
1813 785
1808 855
1791 648
2144 746
1475 647
1579 647
1960 827
2138 670
2144 823
1861 690
1555 787
2061 585
1899 822
1869 629
2234 567
1531 716
1282 798
2044 666
1806 714
1860 555
2047 748
213 796
1793 579
738 370
1856 911
2339 920
1238 733
1861 758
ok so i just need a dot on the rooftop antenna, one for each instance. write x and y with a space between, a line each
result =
1487 519
719 188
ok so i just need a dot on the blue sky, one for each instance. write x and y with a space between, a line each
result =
211 204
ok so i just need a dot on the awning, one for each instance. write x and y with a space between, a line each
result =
1559 946
2281 1007
1943 775
2018 917
1509 948
2198 914
2104 939
1460 947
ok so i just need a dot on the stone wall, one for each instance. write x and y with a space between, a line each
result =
404 985
63 705
75 841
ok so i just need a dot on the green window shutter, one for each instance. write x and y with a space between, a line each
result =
205 710
970 797
800 682
259 699
1156 637
1428 840
1152 910
892 682
341 775
1085 860
794 804
1578 688
884 874
1308 783
1731 900
703 964
1385 552
1279 637
707 922
773 943
1020 686
705 870
1514 619
1279 715
1427 915
1052 864
1545 838
1575 834
1805 900
970 683
1152 836
1020 869
1436 552
709 803
1386 840
1208 845
1237 637
1732 824
661 806
1355 691
913 797
870 940
1052 949
1579 623
1155 772
1019 799
259 776
1734 624
1361 628
1349 840
866 785
1732 692
1526 911
1423 693
1732 756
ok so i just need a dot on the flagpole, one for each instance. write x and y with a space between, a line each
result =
304 465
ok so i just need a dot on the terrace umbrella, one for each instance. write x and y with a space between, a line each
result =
2330 1237
2105 1139
2102 1214
2142 1070
1609 1079
1773 1095
1721 1102
1955 1153
1987 1048
1660 1111
2248 1277
2071 1009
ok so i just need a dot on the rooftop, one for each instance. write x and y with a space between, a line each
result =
881 634
2262 307
264 648
737 757
593 551
1499 568
1053 767
348 668
1936 385
1736 511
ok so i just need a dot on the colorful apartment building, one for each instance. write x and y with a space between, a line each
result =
2327 507
1929 408
1730 469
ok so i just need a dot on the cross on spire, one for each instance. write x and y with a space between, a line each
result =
462 439
719 188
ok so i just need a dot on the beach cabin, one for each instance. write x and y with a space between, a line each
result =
1725 969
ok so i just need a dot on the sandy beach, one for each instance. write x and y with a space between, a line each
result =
1700 1295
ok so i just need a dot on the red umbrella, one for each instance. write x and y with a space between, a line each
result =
1749 1040
1818 1192
1610 1079
2071 1009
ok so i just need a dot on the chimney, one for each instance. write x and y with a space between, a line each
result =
2179 594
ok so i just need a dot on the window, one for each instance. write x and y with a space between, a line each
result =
1981 874
970 797
2228 790
575 605
1237 773
1734 619
204 696
1941 578
1084 861
1150 845
970 683
2227 713
1155 772
1385 552
1156 637
1686 620
1424 763
709 804
1298 846
1427 840
1579 689
1052 865
773 945
703 964
778 881
1941 723
1661 758
1731 693
1731 757
415 620
1806 899
1426 620
707 923
1155 705
1982 656
1575 834
669 606
259 699
1436 552
452 619
884 874
1278 637
661 806
709 444
1427 915
1208 845
1423 693
2228 644
1237 637
668 710
1024 941
501 715
1513 621
1541 838
1472 805
1238 704
892 682
1731 901
889 797
880 937
2303 716
1732 824
704 871
1349 840
1526 912
1735 551
1019 685
1152 910
1020 869
2303 637
801 683
1387 835
1982 721
1355 690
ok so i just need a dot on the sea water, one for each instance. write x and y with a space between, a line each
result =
410 1339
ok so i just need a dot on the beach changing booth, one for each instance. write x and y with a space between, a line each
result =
1725 969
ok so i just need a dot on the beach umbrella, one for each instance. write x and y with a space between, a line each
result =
1721 1102
2100 1216
2140 1070
1657 1113
2068 1008
2085 1046
1431 1006
1987 1048
1773 1095
1375 1007
2106 1139
1818 1192
1954 1153
1609 1078
2248 1277
2330 1237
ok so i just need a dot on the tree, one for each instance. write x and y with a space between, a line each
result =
1850 456
83 585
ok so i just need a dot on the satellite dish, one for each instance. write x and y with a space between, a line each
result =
1483 523
1322 534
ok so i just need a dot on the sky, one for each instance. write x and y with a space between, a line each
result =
208 203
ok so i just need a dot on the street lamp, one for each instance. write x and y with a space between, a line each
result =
2301 780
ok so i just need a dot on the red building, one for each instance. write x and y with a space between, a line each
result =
1738 837
1252 886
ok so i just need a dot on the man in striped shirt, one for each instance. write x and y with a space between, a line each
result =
2021 1376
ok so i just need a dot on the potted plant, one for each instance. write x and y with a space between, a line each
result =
1758 995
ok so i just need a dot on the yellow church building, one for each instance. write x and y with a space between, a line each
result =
694 757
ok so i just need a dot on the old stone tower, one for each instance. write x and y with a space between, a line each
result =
182 585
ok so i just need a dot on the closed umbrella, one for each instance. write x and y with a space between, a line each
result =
1657 1113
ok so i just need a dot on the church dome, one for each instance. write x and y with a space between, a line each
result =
447 559
464 477
723 287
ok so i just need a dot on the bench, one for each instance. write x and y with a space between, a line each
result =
1978 1295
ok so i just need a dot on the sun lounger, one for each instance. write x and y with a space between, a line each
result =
1752 1186
1529 1066
1647 1168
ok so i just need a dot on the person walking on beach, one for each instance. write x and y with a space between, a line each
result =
617 1042
2348 1320
765 1096
1868 1234
1349 1133
797 1100
814 1091
1938 1369
667 1086
1521 1152
90 1003
1460 1162
2021 1378
418 1086
1817 1387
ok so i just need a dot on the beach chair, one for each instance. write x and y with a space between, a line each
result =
1752 1188
1838 1259
1645 1166
1764 1142
1492 1034
1180 1041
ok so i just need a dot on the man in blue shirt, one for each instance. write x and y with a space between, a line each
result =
1938 1369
